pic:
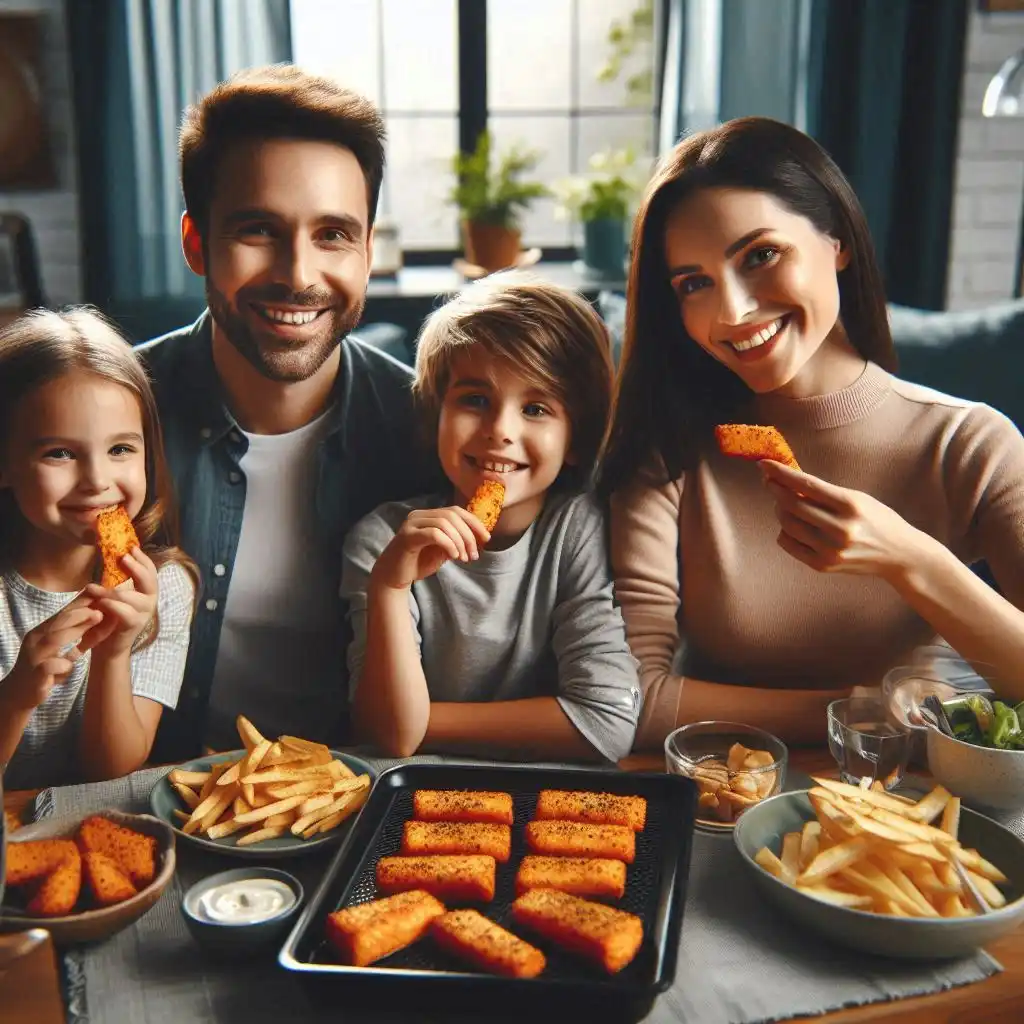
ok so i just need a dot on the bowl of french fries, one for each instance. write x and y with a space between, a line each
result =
914 877
735 766
273 798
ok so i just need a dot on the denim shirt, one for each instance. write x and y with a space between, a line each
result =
372 453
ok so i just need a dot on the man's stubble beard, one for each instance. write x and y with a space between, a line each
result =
286 363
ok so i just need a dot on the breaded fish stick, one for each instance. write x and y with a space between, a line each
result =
475 938
462 805
575 839
132 851
755 442
116 538
487 501
436 837
36 858
370 931
58 894
594 808
452 878
602 934
581 876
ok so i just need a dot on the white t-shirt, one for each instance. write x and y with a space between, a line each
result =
280 656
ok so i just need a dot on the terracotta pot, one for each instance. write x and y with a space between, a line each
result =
489 245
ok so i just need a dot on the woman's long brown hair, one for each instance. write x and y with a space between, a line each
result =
669 392
42 346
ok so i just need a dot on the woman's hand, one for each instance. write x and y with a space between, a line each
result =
48 653
426 540
836 529
126 611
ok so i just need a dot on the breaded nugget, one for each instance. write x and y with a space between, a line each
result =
755 442
58 894
605 935
451 878
582 876
34 859
462 805
577 839
595 808
470 935
487 501
132 851
370 931
116 538
105 880
434 837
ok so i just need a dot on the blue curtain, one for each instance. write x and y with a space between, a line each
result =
884 100
137 64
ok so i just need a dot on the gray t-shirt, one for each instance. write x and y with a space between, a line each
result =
535 619
47 754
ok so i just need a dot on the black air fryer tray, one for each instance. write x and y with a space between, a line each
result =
655 890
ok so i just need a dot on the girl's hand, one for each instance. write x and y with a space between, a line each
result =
126 611
427 539
836 529
48 653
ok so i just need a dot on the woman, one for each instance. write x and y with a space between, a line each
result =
754 297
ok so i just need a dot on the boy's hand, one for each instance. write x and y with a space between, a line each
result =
427 539
126 611
48 653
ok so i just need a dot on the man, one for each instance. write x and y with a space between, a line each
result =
281 430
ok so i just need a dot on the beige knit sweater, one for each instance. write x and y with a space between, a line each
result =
706 591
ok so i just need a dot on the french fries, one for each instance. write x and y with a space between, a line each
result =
873 851
288 787
727 788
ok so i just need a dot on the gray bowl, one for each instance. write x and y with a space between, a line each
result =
237 940
903 937
982 776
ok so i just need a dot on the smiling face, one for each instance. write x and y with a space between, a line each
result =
287 252
76 446
757 288
495 425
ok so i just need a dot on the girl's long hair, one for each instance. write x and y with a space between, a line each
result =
42 346
669 392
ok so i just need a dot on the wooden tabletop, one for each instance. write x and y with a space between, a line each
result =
998 1000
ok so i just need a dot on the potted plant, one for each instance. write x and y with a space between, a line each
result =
602 200
490 200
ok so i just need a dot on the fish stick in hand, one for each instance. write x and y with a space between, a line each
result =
487 501
581 876
755 442
116 538
462 805
576 839
475 938
605 935
594 808
452 878
438 837
370 931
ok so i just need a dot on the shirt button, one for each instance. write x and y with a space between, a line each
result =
219 570
234 477
206 432
211 604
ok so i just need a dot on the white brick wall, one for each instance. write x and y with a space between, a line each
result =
989 175
53 212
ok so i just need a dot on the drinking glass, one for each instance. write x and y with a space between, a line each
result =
865 743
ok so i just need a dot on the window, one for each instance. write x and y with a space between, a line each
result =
535 64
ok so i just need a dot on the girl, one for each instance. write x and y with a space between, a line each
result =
84 670
754 297
505 642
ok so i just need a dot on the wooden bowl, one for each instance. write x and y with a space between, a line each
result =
101 923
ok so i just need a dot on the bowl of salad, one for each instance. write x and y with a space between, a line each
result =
981 757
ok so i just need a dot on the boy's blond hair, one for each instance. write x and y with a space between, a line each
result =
549 335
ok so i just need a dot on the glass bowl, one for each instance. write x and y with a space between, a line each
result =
735 766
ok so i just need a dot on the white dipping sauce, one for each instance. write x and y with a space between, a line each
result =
246 901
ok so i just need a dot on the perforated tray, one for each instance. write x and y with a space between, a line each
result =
655 891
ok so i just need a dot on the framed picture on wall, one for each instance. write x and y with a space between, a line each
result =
26 159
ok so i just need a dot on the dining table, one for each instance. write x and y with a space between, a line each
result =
995 1000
